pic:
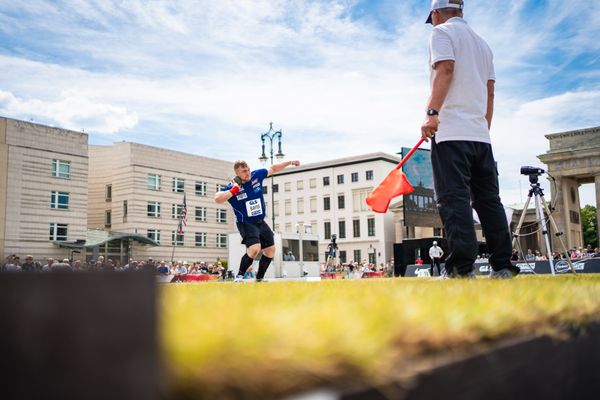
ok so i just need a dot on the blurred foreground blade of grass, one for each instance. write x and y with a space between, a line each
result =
225 340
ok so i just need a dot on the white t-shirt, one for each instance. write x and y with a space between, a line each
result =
435 252
462 116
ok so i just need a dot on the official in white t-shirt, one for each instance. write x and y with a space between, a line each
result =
458 119
435 253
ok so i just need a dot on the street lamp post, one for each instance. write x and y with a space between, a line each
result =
270 135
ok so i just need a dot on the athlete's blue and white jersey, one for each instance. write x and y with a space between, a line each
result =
249 204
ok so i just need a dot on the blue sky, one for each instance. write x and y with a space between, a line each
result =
339 78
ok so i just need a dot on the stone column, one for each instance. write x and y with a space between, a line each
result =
597 181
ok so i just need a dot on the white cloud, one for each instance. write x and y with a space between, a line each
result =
71 111
212 74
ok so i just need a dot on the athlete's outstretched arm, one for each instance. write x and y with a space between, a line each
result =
273 169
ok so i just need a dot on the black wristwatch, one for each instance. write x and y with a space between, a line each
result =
431 112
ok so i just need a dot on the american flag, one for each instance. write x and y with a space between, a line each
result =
183 216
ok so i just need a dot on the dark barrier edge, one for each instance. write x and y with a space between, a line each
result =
562 366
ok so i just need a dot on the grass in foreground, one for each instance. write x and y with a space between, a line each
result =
224 340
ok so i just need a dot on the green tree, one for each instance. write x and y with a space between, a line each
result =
589 223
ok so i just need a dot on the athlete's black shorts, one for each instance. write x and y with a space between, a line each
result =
256 232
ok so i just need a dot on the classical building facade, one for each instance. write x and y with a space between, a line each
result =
328 198
135 188
43 188
573 159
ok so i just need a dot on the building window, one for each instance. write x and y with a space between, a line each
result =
326 203
359 199
154 209
287 186
313 204
371 226
369 175
176 210
325 181
154 234
107 218
201 239
153 182
125 210
59 200
221 215
288 228
222 240
299 185
59 232
312 183
61 169
275 208
341 201
108 193
288 207
356 228
300 205
275 188
178 185
265 190
343 256
354 177
219 187
200 188
357 256
342 229
340 179
327 226
200 214
176 239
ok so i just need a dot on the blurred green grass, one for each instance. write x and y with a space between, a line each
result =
227 340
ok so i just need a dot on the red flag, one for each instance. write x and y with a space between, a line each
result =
394 184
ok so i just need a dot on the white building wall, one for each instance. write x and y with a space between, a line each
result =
30 150
379 163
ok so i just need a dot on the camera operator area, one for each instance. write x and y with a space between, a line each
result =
547 229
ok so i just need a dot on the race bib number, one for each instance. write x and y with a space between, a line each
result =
254 208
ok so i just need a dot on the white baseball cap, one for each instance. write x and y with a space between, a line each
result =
434 242
437 4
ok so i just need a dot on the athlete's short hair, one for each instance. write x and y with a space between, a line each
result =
240 164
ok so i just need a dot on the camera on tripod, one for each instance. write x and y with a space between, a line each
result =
332 246
532 172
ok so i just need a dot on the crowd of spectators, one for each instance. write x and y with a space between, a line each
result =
14 263
357 269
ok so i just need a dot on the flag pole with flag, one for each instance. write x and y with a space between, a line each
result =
394 184
182 222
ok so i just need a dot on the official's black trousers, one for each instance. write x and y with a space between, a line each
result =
465 174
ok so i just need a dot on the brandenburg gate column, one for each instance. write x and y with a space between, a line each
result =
597 182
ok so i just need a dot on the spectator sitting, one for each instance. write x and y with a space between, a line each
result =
530 256
28 265
162 269
514 256
62 267
48 266
181 269
419 261
11 267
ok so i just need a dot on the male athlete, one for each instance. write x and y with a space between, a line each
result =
245 195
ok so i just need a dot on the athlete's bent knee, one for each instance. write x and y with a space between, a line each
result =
269 251
253 251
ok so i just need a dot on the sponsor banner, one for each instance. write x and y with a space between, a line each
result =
587 265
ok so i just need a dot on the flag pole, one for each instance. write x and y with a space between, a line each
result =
182 215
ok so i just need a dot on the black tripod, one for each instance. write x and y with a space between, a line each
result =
540 206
